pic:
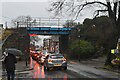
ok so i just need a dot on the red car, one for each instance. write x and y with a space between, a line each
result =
35 55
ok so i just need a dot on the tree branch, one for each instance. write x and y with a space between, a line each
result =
115 9
58 6
109 9
98 11
89 3
98 2
118 13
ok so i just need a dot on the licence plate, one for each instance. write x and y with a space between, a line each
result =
57 65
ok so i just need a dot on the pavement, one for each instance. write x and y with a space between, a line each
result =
21 67
94 68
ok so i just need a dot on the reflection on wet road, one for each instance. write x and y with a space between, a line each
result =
38 72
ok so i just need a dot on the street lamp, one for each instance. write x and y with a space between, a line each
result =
17 25
79 34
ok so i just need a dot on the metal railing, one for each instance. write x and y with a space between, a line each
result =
42 22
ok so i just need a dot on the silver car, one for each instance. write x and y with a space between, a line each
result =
55 61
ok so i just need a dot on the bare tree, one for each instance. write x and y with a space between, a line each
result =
75 8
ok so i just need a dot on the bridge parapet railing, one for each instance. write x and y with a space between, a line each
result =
42 22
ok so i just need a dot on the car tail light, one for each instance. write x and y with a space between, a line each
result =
35 54
50 60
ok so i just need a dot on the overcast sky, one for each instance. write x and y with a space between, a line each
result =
11 9
15 9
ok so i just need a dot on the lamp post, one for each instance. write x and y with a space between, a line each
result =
25 49
79 35
79 42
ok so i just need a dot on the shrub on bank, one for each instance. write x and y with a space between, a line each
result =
81 49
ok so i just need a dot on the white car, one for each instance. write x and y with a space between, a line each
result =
55 61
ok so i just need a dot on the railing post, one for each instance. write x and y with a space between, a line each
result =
39 21
49 22
17 25
58 22
6 25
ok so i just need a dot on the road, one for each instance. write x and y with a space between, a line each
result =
39 73
74 71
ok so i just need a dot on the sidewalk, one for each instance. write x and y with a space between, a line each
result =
99 64
20 68
93 68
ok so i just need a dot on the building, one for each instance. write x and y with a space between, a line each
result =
51 44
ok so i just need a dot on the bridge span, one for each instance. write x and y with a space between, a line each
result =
47 27
48 30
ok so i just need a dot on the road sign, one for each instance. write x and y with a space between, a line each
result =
113 51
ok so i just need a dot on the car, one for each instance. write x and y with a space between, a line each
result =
45 53
55 61
35 56
43 57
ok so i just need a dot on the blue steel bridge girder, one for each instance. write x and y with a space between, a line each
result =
48 31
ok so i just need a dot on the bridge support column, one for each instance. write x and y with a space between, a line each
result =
63 43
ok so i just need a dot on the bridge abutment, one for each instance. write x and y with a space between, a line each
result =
63 43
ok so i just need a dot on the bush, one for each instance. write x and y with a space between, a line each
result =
83 49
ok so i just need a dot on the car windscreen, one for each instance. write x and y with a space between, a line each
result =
56 56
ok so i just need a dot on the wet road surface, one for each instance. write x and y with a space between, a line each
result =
38 73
